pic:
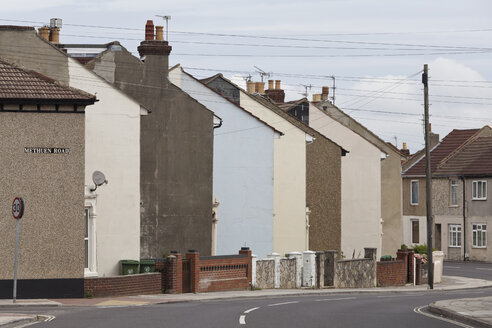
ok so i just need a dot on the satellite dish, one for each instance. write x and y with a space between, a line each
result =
99 179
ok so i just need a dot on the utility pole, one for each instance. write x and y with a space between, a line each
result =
428 184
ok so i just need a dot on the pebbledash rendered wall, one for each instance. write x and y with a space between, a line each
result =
51 239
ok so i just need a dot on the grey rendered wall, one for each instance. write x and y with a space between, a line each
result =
176 157
51 243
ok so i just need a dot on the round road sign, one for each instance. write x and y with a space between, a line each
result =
18 208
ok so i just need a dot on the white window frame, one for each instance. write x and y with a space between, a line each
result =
455 236
479 231
479 190
411 192
453 187
90 206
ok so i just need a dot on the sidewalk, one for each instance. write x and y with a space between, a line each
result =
448 283
474 311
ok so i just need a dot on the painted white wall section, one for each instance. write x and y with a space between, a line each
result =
276 271
243 171
298 257
289 179
308 269
361 185
112 146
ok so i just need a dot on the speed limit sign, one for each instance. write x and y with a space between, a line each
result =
18 208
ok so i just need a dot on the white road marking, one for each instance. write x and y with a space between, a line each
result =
451 267
483 269
401 295
336 299
418 310
277 304
251 310
242 320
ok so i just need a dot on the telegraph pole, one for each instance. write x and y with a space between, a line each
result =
428 184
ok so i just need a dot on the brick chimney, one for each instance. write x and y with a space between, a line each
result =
405 151
275 94
155 54
44 32
324 93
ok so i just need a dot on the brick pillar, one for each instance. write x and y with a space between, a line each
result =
298 257
174 279
403 255
247 251
194 257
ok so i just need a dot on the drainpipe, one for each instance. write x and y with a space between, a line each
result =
308 211
464 217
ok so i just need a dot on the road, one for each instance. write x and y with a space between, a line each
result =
468 269
331 310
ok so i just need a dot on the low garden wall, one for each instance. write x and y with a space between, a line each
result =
136 284
391 273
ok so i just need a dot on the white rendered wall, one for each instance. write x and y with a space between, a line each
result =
242 173
289 179
112 146
361 185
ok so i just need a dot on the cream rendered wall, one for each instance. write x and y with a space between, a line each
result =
289 228
112 146
361 185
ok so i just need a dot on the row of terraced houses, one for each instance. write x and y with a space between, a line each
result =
204 164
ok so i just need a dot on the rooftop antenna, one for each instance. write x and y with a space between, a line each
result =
306 87
262 73
166 18
333 89
247 78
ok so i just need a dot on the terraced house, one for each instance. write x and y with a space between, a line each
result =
461 167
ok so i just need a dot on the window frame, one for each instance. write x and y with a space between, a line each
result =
412 235
411 192
476 190
454 241
479 232
453 185
90 267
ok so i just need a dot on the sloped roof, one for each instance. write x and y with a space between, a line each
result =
21 86
288 105
452 142
473 159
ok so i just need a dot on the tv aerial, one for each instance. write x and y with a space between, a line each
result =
99 179
167 19
262 73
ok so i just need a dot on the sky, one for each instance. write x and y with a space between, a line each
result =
374 49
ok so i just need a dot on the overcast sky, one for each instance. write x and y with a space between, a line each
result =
375 50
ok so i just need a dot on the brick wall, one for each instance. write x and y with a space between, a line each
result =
137 284
391 273
208 273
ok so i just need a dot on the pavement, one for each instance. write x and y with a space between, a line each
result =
477 311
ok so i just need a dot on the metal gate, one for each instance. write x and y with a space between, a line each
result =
186 276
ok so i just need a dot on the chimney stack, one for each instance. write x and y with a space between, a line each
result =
159 33
276 95
55 25
44 32
404 150
324 93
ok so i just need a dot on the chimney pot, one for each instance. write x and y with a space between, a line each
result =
44 32
55 34
159 33
404 146
260 87
270 84
316 97
149 30
277 84
251 86
324 93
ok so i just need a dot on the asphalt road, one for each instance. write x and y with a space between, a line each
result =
468 269
340 310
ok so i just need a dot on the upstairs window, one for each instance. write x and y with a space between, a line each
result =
453 191
414 191
479 190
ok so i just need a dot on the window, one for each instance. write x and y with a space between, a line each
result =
414 189
454 235
479 190
479 235
453 191
415 232
86 238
